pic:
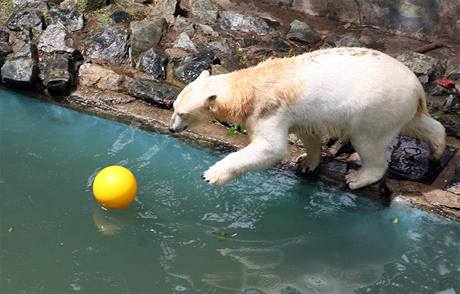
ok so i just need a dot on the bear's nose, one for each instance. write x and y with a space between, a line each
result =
172 130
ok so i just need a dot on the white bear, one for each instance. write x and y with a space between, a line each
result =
355 94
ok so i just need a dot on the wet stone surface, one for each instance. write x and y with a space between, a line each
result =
411 160
157 93
190 67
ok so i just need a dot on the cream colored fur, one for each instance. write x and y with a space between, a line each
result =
358 94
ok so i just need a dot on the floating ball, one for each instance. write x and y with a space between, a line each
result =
115 187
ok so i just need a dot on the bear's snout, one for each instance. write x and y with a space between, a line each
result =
177 124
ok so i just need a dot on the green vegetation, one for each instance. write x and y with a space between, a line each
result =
102 17
35 32
236 130
81 5
6 8
222 235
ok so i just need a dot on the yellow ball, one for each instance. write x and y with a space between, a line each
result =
115 187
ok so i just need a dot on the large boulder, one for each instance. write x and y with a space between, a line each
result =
59 73
21 70
166 9
156 93
145 34
204 9
426 68
110 45
248 24
53 39
302 32
24 19
190 67
153 62
72 20
93 75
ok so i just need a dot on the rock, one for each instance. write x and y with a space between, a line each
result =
92 5
142 1
190 67
93 75
145 34
452 104
184 42
205 29
176 54
217 69
25 19
54 39
121 16
157 93
27 3
59 74
153 62
453 186
425 67
221 46
166 9
302 32
451 122
204 9
21 70
183 25
72 20
342 41
5 50
249 24
69 4
4 36
280 44
410 159
110 45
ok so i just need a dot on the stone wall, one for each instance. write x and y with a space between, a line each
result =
438 18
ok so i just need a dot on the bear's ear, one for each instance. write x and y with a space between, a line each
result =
204 74
211 101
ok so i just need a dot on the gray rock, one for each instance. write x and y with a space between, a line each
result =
72 20
21 70
157 93
184 42
453 185
452 104
302 32
425 67
221 46
190 67
121 16
54 39
28 3
205 29
145 34
5 50
166 9
204 9
249 24
183 25
342 41
4 36
25 19
110 45
153 62
59 74
280 44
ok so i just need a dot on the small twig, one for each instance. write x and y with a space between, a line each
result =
428 47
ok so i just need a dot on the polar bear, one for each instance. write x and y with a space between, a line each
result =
355 94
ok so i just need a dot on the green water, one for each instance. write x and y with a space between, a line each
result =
270 232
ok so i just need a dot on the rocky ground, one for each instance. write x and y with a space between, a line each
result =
129 59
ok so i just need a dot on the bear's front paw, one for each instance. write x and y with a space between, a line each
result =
306 164
217 176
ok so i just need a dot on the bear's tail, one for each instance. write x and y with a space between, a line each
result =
425 128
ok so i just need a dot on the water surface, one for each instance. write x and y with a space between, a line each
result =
269 232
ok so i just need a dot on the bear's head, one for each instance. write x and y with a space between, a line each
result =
192 105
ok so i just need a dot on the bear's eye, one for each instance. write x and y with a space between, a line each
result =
181 114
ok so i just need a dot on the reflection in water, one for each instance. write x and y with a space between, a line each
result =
269 232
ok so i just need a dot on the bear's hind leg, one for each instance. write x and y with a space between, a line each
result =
309 161
374 165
